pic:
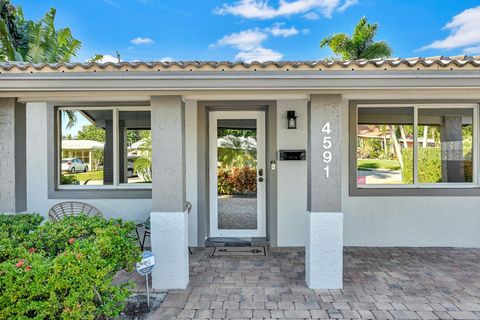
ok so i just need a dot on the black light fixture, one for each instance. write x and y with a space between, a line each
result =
291 120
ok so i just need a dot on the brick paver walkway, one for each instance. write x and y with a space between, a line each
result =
379 283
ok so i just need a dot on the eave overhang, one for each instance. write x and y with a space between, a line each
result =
259 80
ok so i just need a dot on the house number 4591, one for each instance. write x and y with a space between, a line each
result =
327 145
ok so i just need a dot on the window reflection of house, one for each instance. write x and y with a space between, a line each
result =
138 149
81 149
375 132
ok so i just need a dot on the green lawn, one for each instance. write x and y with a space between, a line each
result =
364 164
90 175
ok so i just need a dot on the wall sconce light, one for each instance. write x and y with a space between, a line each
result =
291 120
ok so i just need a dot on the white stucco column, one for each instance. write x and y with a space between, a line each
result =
324 243
12 156
169 221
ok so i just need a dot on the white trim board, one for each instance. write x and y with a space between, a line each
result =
259 116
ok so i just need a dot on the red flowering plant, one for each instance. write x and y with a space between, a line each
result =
65 270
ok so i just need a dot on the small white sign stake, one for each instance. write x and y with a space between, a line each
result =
144 267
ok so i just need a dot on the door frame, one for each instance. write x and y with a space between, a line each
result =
261 230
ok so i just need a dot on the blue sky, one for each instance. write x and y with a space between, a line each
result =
152 30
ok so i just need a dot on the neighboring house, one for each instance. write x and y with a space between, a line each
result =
138 149
305 114
366 132
81 149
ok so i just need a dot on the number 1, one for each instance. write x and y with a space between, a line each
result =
327 171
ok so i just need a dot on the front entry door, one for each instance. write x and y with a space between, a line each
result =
237 174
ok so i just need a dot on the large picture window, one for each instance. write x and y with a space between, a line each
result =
103 147
416 145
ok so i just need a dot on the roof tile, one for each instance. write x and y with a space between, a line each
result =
395 63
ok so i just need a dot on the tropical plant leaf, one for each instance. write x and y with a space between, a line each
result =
360 45
96 58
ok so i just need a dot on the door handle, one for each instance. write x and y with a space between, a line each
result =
260 179
260 173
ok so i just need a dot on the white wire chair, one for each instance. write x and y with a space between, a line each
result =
72 208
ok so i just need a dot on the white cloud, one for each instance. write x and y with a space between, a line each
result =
472 50
261 9
347 4
464 31
250 42
244 40
259 54
311 16
277 30
108 58
112 3
141 40
167 59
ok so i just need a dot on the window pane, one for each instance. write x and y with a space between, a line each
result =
86 150
135 147
237 174
445 145
384 145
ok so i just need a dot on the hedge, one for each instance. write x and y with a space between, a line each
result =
237 180
429 166
64 270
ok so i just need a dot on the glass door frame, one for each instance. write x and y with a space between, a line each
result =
259 116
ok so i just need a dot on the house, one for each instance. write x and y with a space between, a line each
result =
303 116
81 149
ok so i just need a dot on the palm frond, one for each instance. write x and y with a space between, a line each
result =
360 45
96 58
72 118
378 50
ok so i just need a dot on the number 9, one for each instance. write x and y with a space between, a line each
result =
327 157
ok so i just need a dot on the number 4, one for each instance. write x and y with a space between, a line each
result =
326 128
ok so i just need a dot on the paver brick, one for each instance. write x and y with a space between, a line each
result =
238 314
297 314
379 283
463 315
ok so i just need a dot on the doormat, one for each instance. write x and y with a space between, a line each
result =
239 252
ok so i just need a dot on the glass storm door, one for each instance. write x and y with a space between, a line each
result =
237 174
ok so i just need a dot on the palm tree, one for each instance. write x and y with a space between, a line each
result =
143 165
360 45
34 41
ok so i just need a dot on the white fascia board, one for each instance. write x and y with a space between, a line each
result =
128 81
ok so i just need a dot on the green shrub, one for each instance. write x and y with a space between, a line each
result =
237 180
65 270
429 166
244 180
15 229
70 179
468 171
225 186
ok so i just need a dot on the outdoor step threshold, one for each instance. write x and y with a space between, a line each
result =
237 242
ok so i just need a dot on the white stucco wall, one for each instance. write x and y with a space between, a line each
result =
37 175
368 221
291 176
406 221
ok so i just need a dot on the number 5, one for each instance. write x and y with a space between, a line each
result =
327 143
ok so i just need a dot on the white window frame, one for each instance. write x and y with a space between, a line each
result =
116 156
415 184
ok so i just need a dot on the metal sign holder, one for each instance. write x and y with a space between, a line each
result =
145 267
